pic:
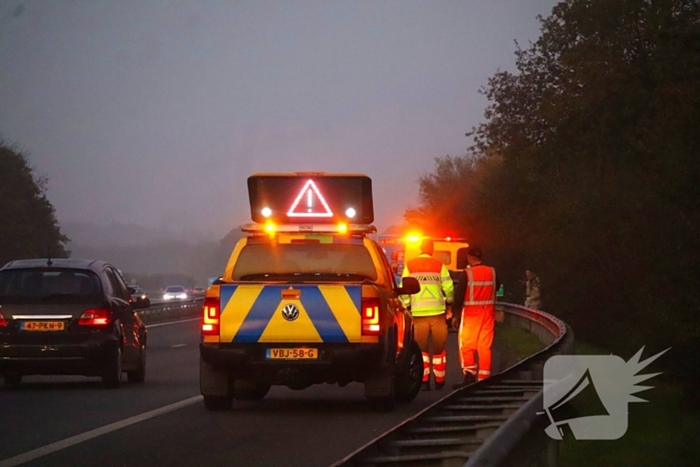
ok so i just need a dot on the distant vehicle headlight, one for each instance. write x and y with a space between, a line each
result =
168 296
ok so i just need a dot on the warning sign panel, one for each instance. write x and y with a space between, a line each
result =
309 203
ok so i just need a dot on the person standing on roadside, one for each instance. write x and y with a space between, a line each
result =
532 290
476 291
428 308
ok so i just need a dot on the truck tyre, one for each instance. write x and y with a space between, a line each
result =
218 403
250 390
410 376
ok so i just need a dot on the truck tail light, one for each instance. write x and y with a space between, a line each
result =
3 321
97 317
370 316
210 317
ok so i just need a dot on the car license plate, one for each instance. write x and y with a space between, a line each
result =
292 354
42 326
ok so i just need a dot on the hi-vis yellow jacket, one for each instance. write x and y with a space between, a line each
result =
436 287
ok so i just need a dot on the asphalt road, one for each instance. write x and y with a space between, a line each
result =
72 421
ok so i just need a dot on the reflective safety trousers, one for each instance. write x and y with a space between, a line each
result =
478 320
423 328
436 286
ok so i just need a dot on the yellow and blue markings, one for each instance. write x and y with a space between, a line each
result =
252 313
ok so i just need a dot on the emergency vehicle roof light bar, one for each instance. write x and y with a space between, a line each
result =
309 228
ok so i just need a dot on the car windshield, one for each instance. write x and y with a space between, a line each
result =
46 285
324 261
175 289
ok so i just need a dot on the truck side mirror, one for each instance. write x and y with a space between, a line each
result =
409 286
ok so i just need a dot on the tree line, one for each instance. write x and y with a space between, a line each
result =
29 229
587 170
28 225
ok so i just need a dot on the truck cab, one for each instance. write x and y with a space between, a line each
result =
309 301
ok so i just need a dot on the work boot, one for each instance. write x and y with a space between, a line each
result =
469 379
425 386
439 386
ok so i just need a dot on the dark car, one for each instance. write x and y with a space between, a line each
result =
69 316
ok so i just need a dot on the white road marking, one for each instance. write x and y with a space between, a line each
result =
172 322
73 440
177 345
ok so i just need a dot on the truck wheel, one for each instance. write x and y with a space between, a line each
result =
249 390
218 403
410 376
112 373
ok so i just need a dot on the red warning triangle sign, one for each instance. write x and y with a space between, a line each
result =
309 203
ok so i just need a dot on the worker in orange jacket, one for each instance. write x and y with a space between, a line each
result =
476 290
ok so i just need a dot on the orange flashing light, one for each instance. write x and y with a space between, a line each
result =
342 227
413 238
270 228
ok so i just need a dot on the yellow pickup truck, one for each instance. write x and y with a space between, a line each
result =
308 299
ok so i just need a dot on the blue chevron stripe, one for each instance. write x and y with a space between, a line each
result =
259 315
321 315
225 294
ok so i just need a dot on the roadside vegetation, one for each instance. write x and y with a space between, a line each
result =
514 344
28 225
586 170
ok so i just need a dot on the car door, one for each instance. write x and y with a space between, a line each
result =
122 307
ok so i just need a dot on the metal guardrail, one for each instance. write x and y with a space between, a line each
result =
490 423
173 308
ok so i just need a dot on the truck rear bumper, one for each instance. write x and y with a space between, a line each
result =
341 363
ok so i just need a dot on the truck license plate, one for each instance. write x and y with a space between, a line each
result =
292 354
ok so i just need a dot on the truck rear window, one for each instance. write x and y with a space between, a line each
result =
306 261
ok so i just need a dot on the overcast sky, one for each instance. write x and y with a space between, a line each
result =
156 112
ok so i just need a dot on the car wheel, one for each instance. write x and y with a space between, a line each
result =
217 403
112 373
139 375
409 379
13 381
248 390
